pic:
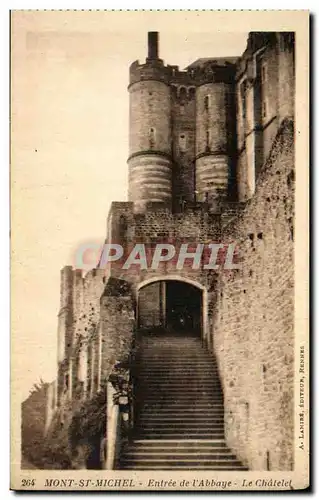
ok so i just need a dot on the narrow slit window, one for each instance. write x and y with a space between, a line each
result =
206 103
207 140
264 105
263 77
182 142
152 136
263 72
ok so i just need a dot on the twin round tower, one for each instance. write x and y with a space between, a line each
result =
182 131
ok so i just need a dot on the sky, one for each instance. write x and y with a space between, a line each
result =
69 146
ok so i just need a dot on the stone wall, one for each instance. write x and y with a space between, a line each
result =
117 324
265 96
149 306
253 324
79 333
193 226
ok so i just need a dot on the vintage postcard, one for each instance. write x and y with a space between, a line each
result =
159 203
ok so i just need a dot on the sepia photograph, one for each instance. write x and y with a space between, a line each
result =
159 250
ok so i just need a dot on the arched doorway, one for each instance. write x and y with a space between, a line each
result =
183 307
172 303
177 393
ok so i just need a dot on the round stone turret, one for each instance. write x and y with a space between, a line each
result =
150 165
215 112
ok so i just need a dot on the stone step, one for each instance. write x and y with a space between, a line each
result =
201 391
178 415
186 430
163 434
178 356
180 408
183 452
193 388
186 369
184 398
176 372
172 362
198 456
179 361
169 375
208 422
183 443
153 395
173 392
137 466
185 417
146 424
181 418
180 384
184 461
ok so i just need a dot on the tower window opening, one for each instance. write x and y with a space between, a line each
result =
182 95
243 102
207 140
263 78
152 135
206 102
263 72
192 92
268 460
182 142
122 228
264 108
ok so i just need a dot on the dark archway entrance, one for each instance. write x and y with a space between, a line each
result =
178 397
171 305
183 307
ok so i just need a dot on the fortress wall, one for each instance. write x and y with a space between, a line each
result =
161 226
78 327
117 320
253 325
149 306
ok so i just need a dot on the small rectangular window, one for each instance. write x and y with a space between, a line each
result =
182 142
152 135
263 72
264 108
206 103
66 380
207 140
243 100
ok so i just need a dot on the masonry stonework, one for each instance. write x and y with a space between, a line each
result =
210 160
253 327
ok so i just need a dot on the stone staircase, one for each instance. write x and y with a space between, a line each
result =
179 420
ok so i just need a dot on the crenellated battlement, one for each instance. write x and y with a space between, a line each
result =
212 71
151 70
